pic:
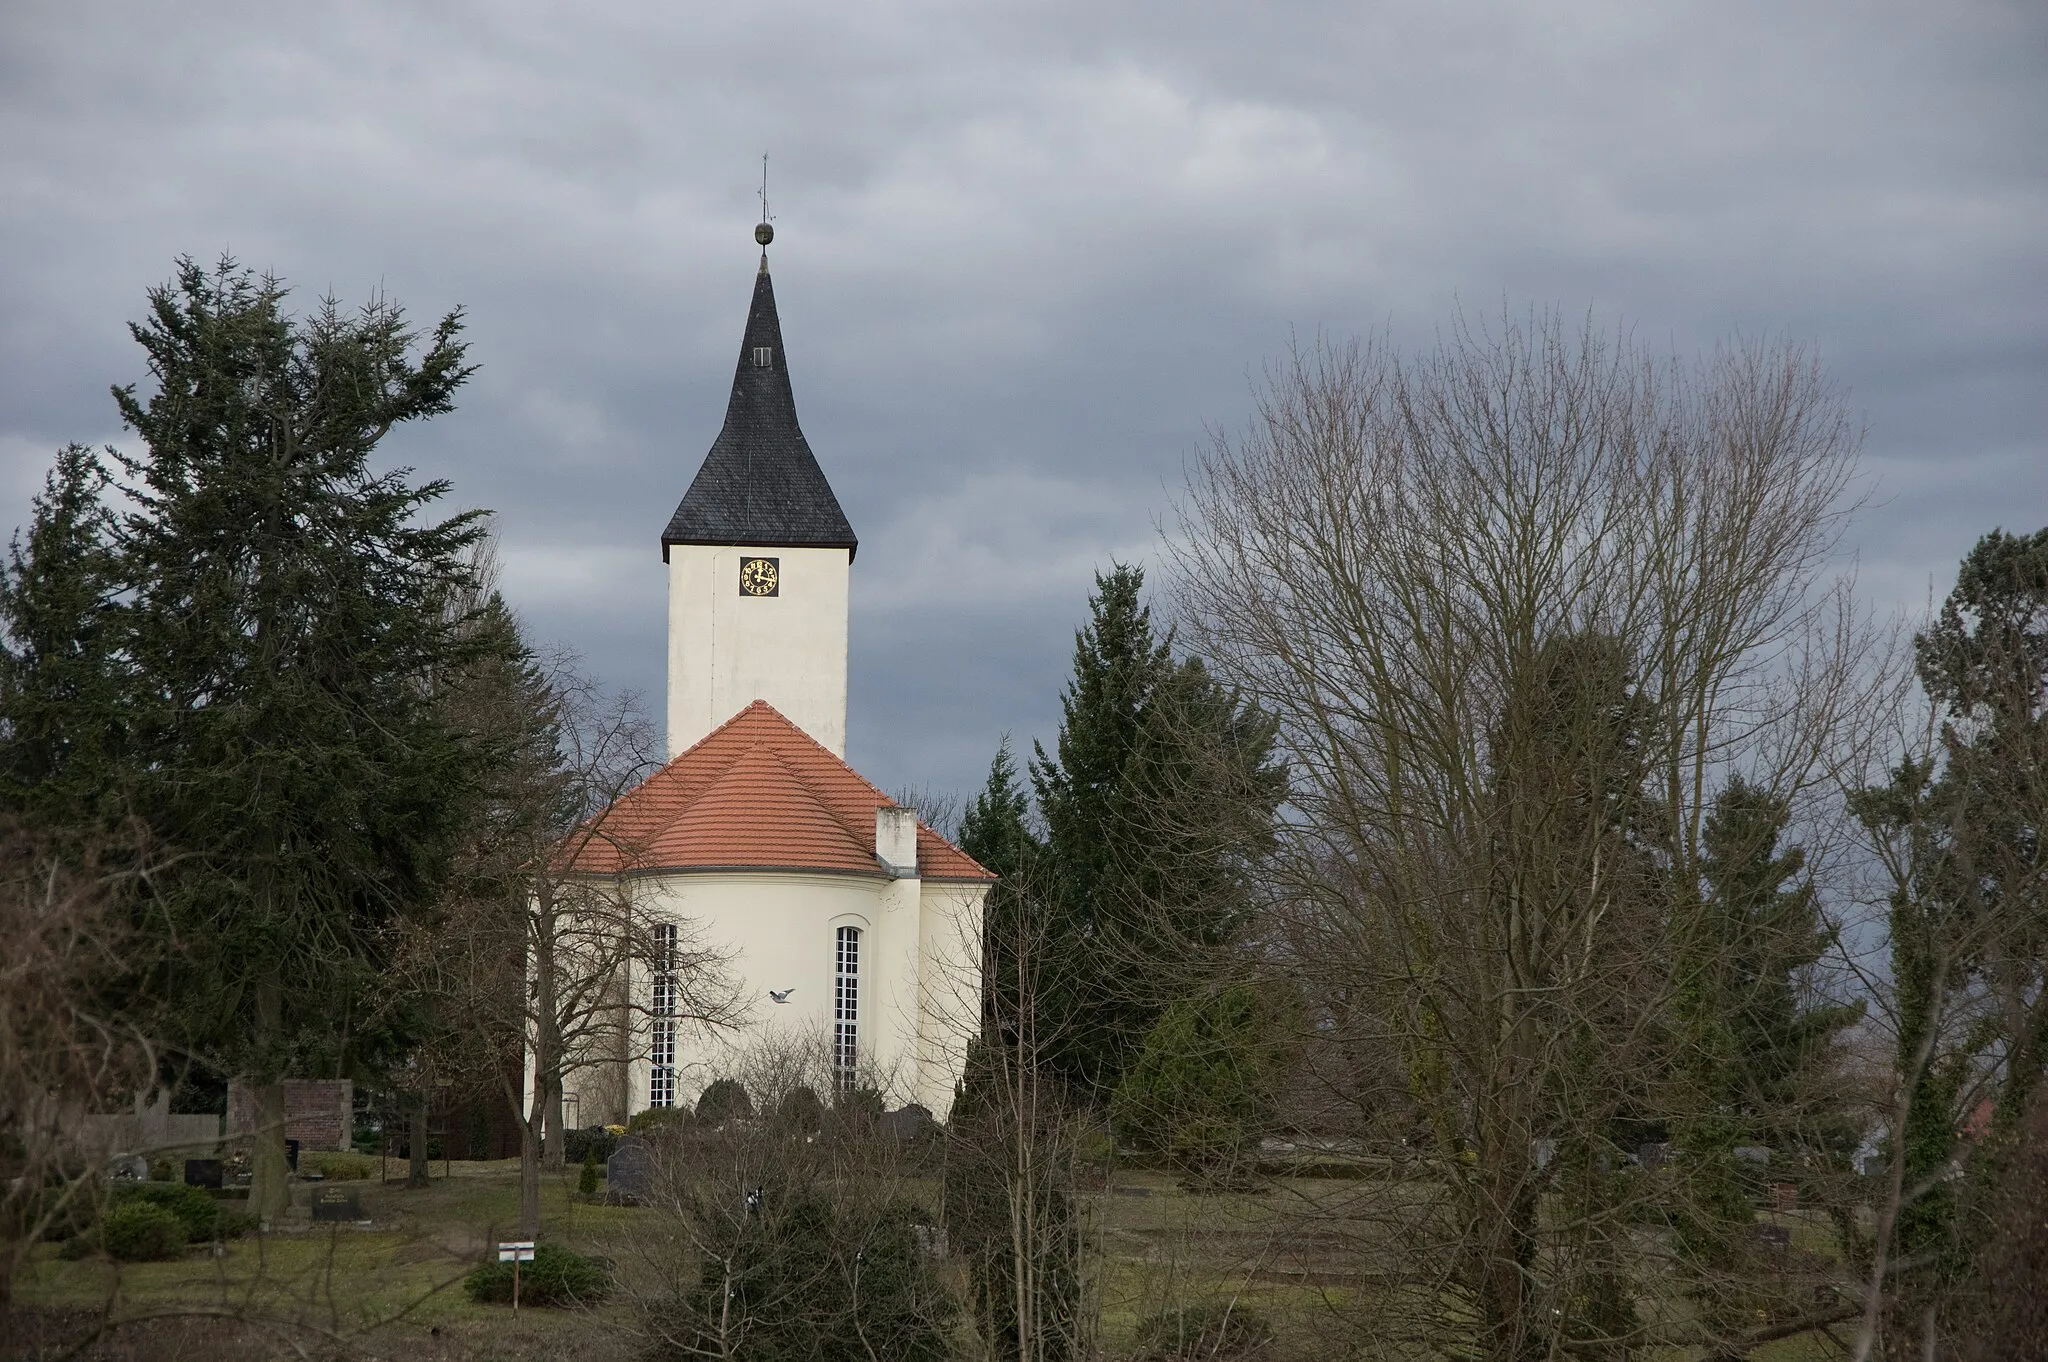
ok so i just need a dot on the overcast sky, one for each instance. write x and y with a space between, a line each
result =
1026 253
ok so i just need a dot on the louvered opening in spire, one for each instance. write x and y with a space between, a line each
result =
760 485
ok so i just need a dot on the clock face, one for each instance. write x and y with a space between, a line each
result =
760 576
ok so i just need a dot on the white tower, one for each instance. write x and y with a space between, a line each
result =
759 555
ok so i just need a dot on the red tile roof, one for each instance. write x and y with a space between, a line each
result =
757 793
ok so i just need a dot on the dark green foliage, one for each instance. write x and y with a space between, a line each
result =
557 1276
1749 1045
1202 1089
140 1232
1004 1154
202 1216
799 1112
1223 1331
724 1100
61 663
587 1180
801 1276
237 648
578 1145
1159 801
657 1119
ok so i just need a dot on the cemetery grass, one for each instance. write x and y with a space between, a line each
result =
394 1289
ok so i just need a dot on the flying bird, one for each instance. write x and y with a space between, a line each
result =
780 995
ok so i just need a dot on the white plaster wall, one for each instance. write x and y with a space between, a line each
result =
949 987
726 650
920 971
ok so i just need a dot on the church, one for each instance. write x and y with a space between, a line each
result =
843 919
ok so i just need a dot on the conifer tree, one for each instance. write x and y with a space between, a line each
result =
61 716
1159 799
256 630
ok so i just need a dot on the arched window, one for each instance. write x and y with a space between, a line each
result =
846 1008
661 1082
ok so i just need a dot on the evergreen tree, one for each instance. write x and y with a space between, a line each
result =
62 716
279 611
1157 805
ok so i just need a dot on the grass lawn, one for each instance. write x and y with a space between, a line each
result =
393 1288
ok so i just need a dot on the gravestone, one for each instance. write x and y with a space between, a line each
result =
129 1168
1775 1236
1654 1155
1753 1154
629 1172
338 1202
203 1172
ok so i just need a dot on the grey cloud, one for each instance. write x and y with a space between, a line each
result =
1027 252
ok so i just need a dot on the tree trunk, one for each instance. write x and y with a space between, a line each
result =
529 1175
269 1171
417 1174
553 1145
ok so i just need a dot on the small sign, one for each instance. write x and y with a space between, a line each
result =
520 1252
337 1203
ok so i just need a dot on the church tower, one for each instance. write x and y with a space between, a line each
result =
759 556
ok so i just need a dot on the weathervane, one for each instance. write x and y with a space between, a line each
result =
764 233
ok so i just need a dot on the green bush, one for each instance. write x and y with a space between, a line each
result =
800 1112
137 1231
586 1181
201 1217
653 1121
802 1277
556 1276
725 1100
578 1145
1225 1333
1201 1091
338 1167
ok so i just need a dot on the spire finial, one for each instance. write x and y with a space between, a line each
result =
764 233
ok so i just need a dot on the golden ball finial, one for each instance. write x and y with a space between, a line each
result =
764 234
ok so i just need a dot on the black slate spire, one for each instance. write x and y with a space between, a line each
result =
760 485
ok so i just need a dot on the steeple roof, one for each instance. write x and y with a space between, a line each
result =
760 485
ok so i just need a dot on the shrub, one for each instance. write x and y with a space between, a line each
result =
1203 1086
578 1145
586 1181
136 1231
725 1100
1223 1332
800 1112
200 1216
556 1276
804 1278
338 1167
657 1119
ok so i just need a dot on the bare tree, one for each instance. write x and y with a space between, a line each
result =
537 952
60 1054
1519 606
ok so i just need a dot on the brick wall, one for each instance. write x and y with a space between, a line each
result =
318 1112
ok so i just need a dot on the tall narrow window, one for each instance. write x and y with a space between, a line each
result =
846 1009
661 1083
764 356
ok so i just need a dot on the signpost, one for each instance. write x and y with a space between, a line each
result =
516 1252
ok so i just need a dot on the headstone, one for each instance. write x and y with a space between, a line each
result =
629 1172
202 1172
341 1201
1654 1156
1752 1153
129 1168
931 1240
1784 1197
1542 1151
1775 1236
